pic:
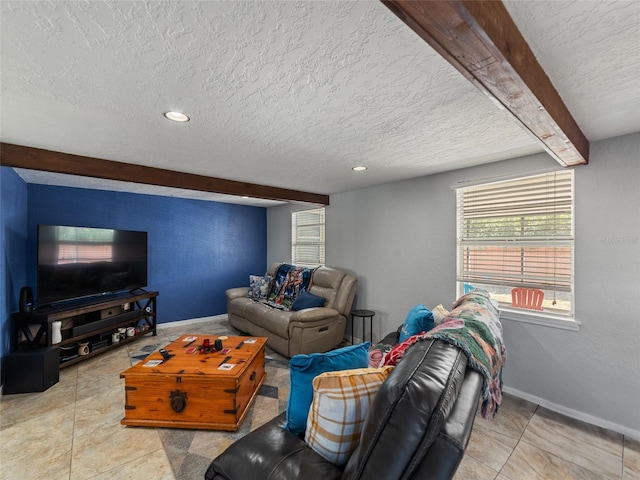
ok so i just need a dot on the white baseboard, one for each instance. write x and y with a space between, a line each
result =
190 321
576 414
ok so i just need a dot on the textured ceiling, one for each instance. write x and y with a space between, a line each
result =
591 52
290 94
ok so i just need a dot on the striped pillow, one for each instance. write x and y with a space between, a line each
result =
340 404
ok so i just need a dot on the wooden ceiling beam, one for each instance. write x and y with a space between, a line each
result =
50 161
482 42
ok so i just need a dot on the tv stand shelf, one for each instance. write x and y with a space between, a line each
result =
93 321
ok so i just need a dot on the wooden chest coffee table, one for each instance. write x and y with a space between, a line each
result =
192 389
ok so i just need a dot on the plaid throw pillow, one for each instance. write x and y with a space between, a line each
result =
340 404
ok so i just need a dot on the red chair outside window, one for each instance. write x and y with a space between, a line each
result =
530 298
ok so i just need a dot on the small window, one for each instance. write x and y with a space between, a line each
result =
307 238
519 234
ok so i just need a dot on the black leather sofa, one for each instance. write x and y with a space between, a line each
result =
418 427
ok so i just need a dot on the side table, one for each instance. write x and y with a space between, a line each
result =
364 314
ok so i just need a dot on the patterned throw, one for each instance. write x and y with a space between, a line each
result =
474 327
288 283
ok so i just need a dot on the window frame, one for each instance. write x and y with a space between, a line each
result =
297 223
566 321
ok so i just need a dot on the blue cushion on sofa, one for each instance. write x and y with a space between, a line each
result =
307 300
304 368
419 319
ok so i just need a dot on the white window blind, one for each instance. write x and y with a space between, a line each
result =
519 233
307 238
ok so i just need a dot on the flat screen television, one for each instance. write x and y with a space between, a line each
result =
79 262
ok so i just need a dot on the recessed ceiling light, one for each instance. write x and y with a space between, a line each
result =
361 168
177 116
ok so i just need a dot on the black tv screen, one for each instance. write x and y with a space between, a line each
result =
76 262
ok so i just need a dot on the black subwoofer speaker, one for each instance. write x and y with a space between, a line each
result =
30 371
26 299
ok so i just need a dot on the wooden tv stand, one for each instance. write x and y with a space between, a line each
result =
93 321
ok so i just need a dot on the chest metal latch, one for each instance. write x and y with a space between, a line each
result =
178 400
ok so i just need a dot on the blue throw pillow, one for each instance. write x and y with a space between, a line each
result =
419 319
307 300
304 368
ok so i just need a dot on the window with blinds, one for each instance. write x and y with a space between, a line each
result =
518 233
307 238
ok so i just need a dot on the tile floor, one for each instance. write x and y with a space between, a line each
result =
72 431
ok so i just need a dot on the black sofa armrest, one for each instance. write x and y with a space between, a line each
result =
411 412
271 453
444 456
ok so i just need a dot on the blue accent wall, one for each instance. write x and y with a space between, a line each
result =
196 249
13 236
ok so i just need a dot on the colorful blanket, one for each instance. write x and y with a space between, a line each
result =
474 327
289 282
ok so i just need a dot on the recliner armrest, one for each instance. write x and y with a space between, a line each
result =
313 314
271 453
236 292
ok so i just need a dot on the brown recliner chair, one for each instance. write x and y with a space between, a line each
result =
418 427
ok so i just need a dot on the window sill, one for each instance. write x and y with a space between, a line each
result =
544 319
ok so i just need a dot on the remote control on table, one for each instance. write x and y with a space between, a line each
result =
166 355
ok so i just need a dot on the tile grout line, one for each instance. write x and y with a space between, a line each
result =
75 414
624 442
518 442
555 455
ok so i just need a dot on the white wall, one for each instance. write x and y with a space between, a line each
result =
400 240
279 232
